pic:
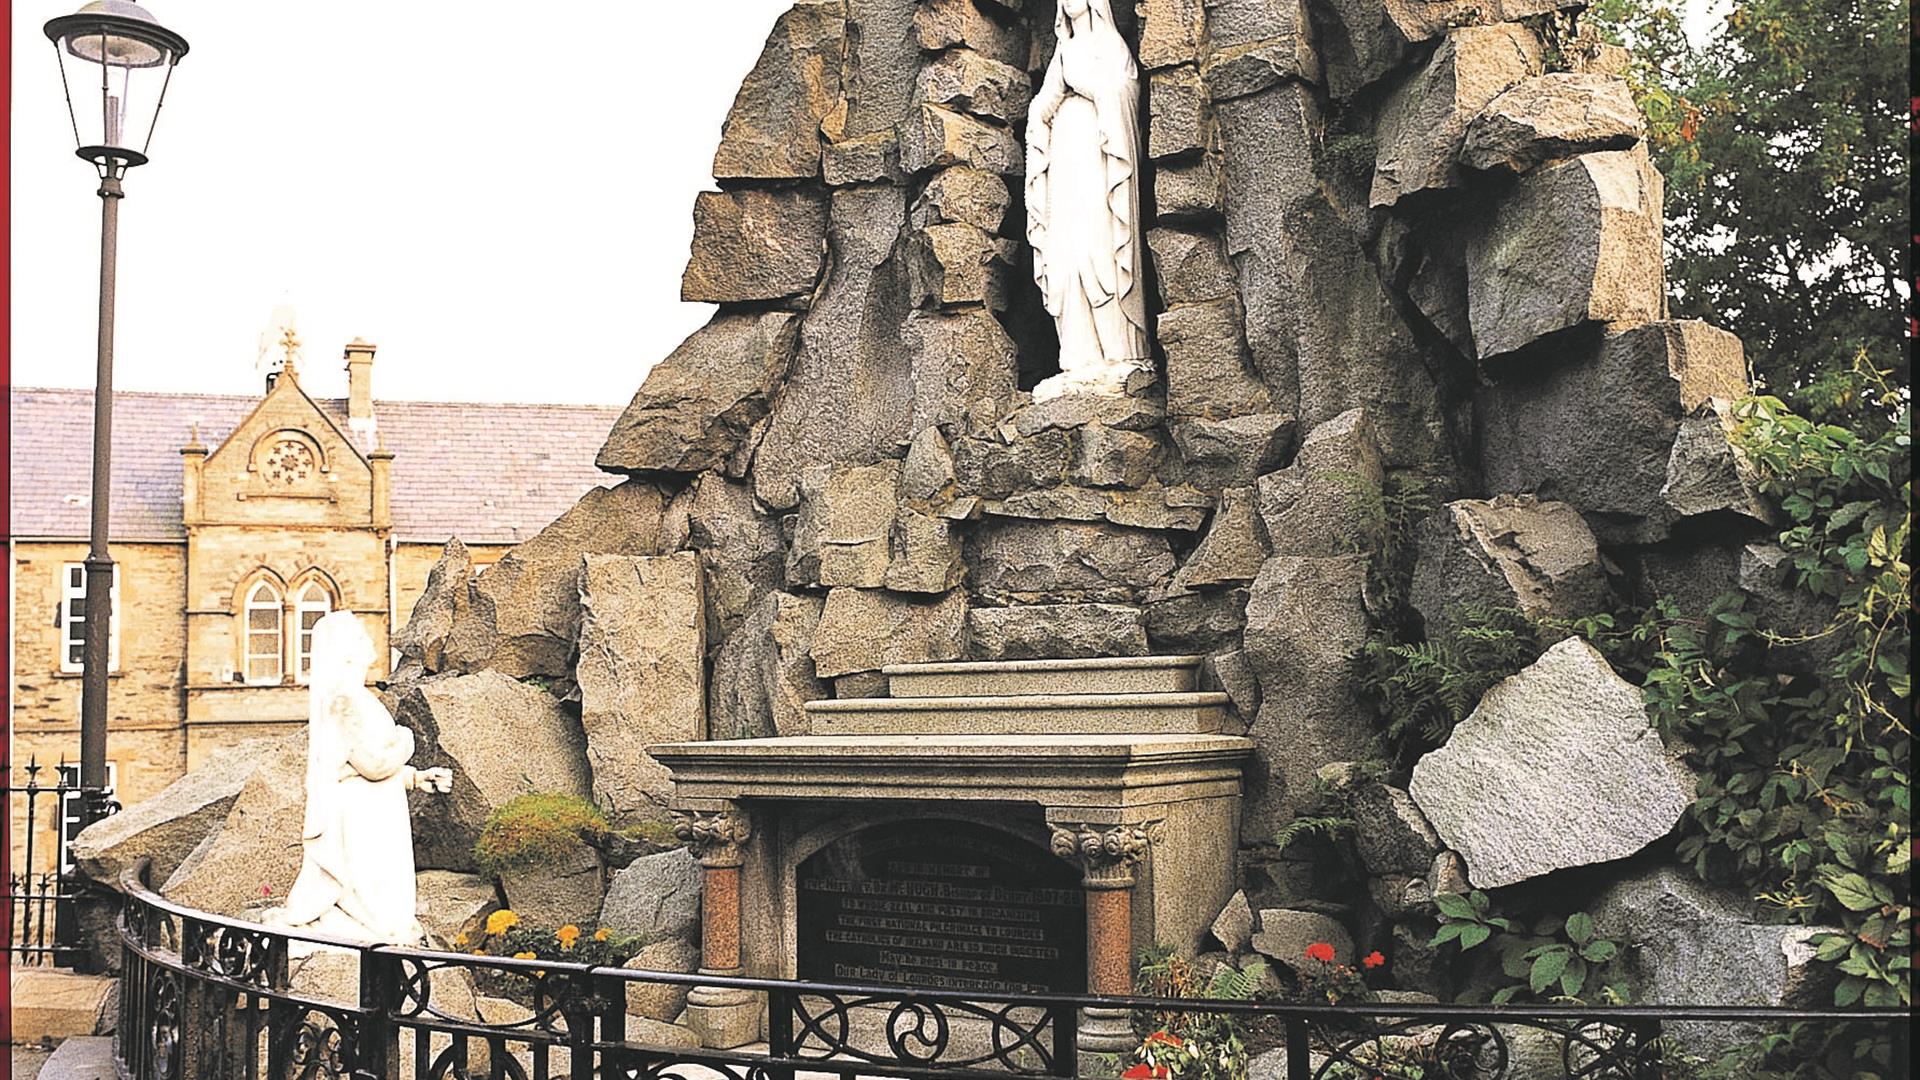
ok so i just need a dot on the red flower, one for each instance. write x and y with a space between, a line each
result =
1372 959
1166 1037
1320 951
1161 1072
1142 1071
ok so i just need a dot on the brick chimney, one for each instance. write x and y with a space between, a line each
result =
360 391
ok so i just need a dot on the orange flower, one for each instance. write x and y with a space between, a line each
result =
526 956
567 935
460 940
1166 1037
1320 951
602 934
1372 959
502 921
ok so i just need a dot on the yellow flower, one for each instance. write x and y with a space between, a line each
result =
602 934
526 956
502 921
460 940
567 935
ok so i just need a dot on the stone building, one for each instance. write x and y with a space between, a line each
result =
237 522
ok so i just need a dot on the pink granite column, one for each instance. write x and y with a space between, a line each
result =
723 1017
1106 855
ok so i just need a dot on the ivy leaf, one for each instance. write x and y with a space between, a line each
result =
1600 951
1448 932
1505 995
1455 906
1472 934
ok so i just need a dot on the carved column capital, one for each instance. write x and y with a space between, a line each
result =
1106 854
716 837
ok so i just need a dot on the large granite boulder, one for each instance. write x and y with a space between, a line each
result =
1509 552
848 399
939 137
656 897
1209 374
979 84
1305 620
1598 429
1614 788
1687 943
1285 935
1234 548
501 738
1557 115
1424 120
167 827
773 130
1031 562
563 889
763 675
965 368
524 612
1390 833
741 548
1249 45
1190 265
1318 505
642 673
840 535
963 195
1235 451
442 604
662 1001
867 629
1055 631
1571 244
988 30
453 907
754 244
247 864
956 264
699 406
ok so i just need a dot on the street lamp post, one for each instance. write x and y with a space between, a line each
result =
132 56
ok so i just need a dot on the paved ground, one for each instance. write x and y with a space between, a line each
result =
27 1062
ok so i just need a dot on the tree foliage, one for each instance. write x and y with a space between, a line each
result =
1785 139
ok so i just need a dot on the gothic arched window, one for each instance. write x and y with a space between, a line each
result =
310 604
265 646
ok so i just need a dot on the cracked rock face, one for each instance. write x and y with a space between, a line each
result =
1557 767
1508 552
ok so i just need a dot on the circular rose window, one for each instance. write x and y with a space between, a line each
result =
289 462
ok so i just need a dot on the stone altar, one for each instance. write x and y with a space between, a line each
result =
1017 774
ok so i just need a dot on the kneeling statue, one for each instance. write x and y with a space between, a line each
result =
356 872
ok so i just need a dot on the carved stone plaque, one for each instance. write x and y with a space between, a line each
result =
944 904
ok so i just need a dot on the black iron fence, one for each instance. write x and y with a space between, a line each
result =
204 998
44 814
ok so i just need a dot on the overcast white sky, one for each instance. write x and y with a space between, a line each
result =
497 194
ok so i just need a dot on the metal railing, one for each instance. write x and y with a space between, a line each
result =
42 889
203 997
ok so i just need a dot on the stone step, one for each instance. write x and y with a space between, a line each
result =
1098 675
1022 714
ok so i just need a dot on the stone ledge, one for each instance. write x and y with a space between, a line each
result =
1051 770
1021 714
1107 675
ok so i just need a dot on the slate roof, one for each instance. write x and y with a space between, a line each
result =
484 472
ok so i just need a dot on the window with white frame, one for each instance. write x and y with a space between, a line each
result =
73 619
310 605
265 645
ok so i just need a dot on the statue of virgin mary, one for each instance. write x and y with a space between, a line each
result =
1083 203
356 872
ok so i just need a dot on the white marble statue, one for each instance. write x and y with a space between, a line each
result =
1083 203
356 874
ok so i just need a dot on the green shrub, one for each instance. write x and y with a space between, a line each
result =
533 830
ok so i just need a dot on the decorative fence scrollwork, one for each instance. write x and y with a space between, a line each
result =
206 998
